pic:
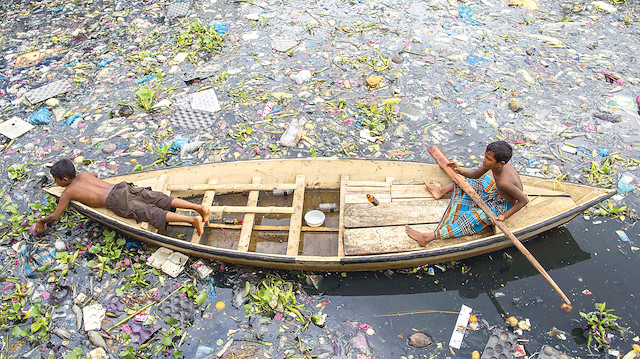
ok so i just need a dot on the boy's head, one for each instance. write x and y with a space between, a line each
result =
63 172
502 151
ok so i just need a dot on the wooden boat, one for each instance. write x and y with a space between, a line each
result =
359 236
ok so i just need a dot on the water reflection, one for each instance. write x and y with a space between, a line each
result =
470 277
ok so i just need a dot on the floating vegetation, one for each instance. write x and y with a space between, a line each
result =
600 323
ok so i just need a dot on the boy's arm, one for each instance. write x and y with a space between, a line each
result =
63 202
516 193
477 173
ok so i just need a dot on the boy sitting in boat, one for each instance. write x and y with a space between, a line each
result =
502 193
123 199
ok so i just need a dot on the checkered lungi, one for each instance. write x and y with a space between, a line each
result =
463 216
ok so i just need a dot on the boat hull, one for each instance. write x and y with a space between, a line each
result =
328 174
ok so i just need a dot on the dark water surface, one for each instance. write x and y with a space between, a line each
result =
583 255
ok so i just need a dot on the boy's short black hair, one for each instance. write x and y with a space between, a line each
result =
502 151
63 168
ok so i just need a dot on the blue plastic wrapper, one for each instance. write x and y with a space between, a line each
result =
71 118
473 59
626 183
106 62
144 79
466 15
603 151
41 117
623 236
176 143
219 26
585 151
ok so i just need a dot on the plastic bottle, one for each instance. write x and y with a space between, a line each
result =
328 207
292 135
282 192
231 221
373 200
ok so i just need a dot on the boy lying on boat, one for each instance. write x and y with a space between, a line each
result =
123 199
502 193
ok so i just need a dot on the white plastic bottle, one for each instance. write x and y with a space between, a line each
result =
291 136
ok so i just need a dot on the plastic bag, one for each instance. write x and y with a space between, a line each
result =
41 117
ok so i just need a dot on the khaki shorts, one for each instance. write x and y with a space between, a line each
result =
141 204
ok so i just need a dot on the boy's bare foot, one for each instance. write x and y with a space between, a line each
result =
436 191
205 212
422 238
198 225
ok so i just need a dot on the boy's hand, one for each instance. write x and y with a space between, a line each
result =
500 218
39 226
455 167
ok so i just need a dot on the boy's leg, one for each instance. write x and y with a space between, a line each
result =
196 222
181 203
437 191
423 238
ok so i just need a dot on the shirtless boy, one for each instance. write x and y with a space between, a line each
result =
503 194
123 199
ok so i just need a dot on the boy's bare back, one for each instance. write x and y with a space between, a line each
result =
507 180
88 189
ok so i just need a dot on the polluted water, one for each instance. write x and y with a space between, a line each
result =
126 86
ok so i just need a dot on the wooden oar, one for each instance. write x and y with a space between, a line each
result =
443 161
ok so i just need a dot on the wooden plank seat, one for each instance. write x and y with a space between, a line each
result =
259 227
293 243
393 239
249 218
356 191
417 211
207 200
229 188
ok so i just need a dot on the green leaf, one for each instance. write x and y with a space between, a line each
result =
247 288
121 241
127 353
177 353
35 311
35 327
95 248
248 307
201 298
172 321
12 208
18 332
75 353
166 340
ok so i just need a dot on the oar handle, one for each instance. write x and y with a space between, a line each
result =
443 161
